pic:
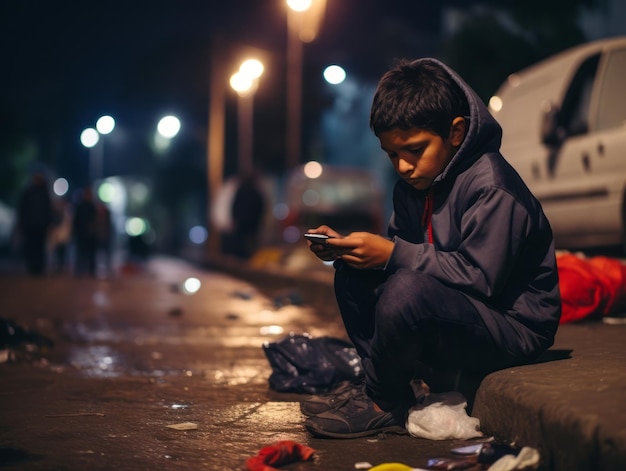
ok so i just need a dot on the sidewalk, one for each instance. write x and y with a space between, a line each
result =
134 354
569 404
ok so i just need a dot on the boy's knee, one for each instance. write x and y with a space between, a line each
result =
406 297
354 280
405 287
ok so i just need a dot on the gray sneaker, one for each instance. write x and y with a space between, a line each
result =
355 418
317 404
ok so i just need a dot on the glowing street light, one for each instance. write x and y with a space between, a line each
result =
252 68
240 83
105 124
299 5
60 186
90 138
334 74
168 126
245 82
167 129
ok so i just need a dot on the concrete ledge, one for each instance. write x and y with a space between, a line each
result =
570 405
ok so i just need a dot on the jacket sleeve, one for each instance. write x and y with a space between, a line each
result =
490 233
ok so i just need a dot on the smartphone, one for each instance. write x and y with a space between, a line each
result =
317 238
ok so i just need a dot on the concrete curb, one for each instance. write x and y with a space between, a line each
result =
569 405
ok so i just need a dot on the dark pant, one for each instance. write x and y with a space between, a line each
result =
401 321
35 251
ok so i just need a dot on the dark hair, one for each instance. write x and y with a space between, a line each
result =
419 94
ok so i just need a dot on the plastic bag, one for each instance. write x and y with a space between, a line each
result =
303 364
590 287
442 416
527 458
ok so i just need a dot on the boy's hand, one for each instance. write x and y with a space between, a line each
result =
324 251
362 249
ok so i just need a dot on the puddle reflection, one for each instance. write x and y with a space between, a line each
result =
101 361
95 361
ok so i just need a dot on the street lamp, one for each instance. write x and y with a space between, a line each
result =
168 126
167 129
334 74
304 18
90 138
245 82
105 124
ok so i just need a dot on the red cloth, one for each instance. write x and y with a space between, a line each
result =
590 287
281 452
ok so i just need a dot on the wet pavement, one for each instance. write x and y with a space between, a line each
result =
139 352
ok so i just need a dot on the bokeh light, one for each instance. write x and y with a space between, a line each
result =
136 226
60 186
271 330
113 192
252 68
281 211
191 285
299 5
495 103
241 83
168 126
291 234
89 137
105 124
106 192
334 74
198 235
313 169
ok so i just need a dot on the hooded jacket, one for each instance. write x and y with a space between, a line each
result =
480 230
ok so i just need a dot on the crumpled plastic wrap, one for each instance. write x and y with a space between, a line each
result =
528 458
278 454
442 416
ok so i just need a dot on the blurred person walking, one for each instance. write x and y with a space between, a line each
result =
84 234
60 234
104 237
34 219
247 215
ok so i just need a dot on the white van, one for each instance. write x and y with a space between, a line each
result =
564 125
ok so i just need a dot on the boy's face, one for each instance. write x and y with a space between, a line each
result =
419 155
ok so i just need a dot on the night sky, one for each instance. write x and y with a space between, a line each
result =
66 63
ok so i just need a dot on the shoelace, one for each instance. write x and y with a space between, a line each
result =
359 401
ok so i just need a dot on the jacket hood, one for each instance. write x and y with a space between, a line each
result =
484 134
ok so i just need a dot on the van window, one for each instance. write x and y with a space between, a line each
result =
574 116
612 104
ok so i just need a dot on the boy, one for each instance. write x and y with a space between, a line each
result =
467 279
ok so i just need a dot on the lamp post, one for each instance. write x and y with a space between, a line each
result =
303 20
245 83
90 138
